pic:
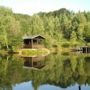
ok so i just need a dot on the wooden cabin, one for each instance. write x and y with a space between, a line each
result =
33 42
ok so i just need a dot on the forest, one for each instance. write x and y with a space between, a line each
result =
61 28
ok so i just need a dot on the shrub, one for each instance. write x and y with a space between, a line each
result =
65 45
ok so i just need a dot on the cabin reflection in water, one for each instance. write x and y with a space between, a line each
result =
36 62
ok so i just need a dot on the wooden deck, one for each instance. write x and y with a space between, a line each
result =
84 49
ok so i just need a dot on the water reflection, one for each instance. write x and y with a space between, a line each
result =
36 62
56 72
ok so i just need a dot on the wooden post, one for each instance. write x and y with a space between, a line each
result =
79 87
31 43
86 49
37 41
37 44
32 61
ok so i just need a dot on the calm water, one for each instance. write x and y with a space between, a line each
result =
53 72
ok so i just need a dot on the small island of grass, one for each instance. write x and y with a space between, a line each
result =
33 52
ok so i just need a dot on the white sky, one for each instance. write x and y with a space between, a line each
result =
34 6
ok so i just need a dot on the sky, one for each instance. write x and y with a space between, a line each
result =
34 6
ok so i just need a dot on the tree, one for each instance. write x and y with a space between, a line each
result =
87 32
75 23
36 25
80 31
65 26
9 27
73 38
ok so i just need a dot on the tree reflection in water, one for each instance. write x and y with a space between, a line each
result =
56 69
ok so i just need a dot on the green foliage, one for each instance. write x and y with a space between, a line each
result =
65 45
9 27
73 36
56 26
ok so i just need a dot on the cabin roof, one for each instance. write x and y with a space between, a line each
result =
33 37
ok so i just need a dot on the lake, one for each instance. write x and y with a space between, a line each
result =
66 71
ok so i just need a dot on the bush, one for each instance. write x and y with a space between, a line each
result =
65 45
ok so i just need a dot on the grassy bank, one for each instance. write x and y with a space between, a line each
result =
33 52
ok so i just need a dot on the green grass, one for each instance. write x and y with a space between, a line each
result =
33 52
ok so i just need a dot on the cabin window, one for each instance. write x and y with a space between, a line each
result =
34 41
